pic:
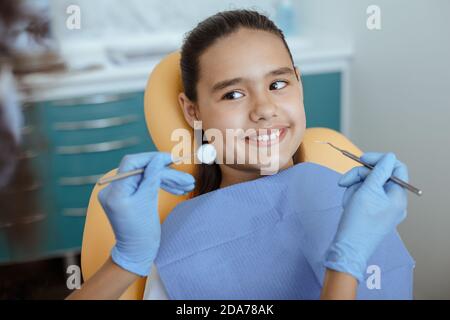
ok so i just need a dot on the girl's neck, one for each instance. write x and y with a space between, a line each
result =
232 175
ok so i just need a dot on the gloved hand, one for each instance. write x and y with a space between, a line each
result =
131 205
372 209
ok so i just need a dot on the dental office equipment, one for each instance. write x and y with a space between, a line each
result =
206 153
133 172
367 165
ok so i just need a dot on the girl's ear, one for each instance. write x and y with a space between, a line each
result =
190 111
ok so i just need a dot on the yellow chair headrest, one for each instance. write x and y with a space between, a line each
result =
162 110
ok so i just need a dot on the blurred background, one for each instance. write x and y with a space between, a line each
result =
72 77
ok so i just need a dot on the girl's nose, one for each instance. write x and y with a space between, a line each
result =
264 109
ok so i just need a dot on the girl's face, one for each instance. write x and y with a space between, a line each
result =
247 82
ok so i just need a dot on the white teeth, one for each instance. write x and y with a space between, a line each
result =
265 137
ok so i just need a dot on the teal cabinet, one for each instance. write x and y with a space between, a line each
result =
88 137
80 140
322 100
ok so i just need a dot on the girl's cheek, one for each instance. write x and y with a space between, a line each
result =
231 119
299 116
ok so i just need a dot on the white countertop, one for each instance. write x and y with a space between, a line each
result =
93 72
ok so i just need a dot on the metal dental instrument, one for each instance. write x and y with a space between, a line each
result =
367 165
133 172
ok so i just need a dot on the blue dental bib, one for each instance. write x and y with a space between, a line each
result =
267 239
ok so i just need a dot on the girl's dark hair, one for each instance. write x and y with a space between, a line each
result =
205 34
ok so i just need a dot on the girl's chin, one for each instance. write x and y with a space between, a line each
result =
275 165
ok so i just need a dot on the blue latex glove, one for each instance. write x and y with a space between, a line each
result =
131 205
372 209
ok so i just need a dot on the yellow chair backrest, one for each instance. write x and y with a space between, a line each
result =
163 114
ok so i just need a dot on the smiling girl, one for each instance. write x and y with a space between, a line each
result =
238 74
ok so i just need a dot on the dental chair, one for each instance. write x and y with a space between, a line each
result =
163 114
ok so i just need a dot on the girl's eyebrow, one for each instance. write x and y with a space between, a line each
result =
281 71
226 83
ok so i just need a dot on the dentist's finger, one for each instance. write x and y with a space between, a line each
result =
141 160
129 185
176 177
401 172
400 169
382 171
359 173
151 178
177 191
350 191
172 180
372 157
354 175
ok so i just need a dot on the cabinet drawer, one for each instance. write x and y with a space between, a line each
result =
93 163
91 136
72 197
93 107
66 234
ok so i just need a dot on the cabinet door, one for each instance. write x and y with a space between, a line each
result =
322 99
87 137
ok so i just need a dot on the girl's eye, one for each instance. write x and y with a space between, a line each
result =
232 95
278 85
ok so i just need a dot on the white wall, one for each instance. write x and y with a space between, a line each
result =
400 101
103 18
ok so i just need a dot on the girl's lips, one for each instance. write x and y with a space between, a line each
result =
269 142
